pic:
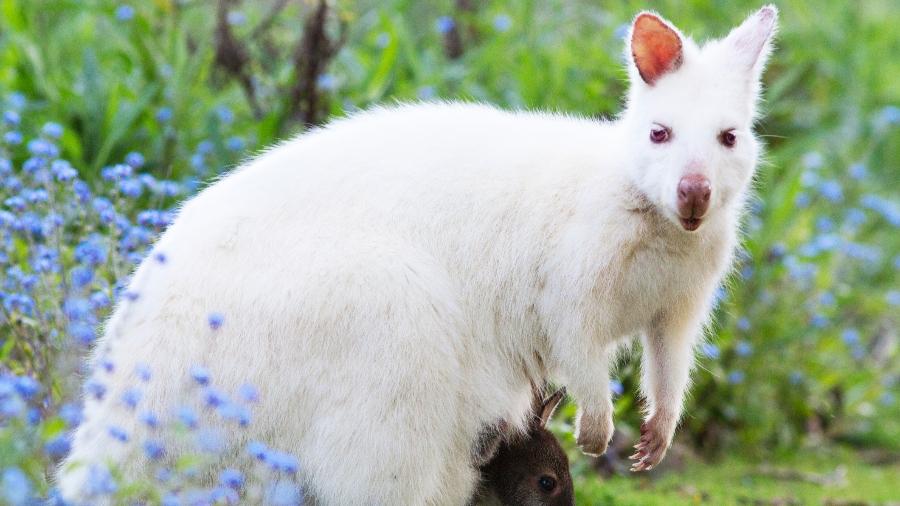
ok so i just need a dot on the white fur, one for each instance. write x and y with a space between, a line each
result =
395 281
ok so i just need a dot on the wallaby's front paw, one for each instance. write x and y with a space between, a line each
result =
594 432
656 435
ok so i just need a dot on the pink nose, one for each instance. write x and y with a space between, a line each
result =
693 196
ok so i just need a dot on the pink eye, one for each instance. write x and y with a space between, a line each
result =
659 134
727 138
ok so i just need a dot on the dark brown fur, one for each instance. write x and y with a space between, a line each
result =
528 469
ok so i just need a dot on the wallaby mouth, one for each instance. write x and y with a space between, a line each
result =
690 224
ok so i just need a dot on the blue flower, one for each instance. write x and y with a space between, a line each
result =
135 159
225 115
16 486
71 415
743 348
213 398
827 299
142 371
117 433
149 419
100 481
284 493
116 172
850 336
27 386
444 24
91 251
502 22
188 417
77 309
131 397
248 393
16 203
200 375
164 114
813 160
709 350
824 224
235 412
82 191
802 200
52 130
58 447
99 300
231 478
125 12
13 138
382 40
210 440
153 449
819 321
43 148
81 276
235 143
809 178
832 190
11 118
215 320
236 18
893 297
858 171
736 377
327 82
283 462
616 387
426 93
855 217
95 389
889 115
258 450
63 170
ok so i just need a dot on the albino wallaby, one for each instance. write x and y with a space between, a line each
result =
419 267
529 469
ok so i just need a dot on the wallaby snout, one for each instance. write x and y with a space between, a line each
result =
694 191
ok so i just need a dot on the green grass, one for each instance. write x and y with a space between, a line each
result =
735 480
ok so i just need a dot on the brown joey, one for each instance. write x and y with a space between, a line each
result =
529 469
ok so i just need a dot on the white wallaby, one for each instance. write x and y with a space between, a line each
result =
396 281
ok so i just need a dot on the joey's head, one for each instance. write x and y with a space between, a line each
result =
530 469
690 116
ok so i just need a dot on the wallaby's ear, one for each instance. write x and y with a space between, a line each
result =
549 405
656 47
751 43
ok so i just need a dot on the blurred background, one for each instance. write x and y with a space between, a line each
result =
115 111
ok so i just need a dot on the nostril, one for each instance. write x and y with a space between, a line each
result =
694 192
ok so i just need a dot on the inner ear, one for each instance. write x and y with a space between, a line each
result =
549 405
655 47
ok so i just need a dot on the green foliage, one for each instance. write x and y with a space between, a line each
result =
805 335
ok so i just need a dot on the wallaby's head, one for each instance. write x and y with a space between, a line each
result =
531 469
690 115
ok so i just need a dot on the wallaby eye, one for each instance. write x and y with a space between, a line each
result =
660 134
547 483
727 138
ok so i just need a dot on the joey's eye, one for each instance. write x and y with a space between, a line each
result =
547 483
660 134
727 138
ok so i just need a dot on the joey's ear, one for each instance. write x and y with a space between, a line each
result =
656 47
750 43
549 405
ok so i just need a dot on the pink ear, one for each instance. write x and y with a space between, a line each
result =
655 47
